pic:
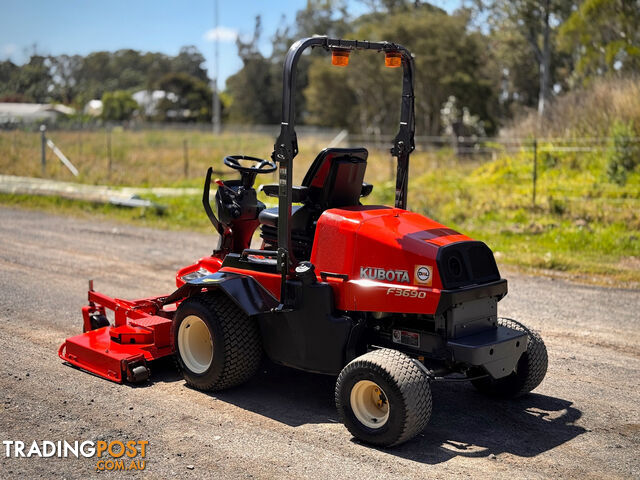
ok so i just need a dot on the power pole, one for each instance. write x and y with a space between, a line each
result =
216 55
43 141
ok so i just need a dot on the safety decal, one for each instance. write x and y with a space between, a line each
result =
404 337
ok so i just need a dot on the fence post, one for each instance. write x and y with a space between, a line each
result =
109 159
535 170
392 171
43 138
185 149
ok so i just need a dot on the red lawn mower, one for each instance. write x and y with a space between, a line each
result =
386 299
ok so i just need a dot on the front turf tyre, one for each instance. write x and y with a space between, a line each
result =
530 371
217 345
383 398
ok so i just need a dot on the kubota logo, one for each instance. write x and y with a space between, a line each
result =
373 273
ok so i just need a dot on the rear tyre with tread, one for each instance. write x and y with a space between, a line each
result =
217 345
530 371
383 398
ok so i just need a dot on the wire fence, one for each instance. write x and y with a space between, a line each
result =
540 153
160 154
460 145
495 145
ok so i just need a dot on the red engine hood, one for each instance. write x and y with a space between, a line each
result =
386 255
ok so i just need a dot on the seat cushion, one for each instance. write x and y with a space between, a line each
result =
269 216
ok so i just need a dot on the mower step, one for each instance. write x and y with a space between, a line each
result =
497 350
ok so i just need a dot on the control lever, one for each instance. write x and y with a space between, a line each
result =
229 198
220 183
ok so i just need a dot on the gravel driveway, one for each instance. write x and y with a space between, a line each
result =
582 422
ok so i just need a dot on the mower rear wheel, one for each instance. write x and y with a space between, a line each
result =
383 398
530 371
217 345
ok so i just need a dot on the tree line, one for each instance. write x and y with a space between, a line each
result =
476 68
113 77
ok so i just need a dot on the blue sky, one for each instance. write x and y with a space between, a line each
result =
82 26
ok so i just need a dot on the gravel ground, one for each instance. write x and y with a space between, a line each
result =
582 422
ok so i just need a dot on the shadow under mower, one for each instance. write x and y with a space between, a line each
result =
386 299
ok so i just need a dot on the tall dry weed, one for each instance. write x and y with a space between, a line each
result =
588 112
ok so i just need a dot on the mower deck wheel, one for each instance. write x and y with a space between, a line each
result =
97 321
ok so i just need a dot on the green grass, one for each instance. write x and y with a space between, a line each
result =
182 213
582 225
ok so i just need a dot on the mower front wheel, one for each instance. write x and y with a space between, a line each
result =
217 345
383 398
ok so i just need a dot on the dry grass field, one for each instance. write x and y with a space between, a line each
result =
582 225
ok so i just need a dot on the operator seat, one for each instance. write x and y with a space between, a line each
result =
334 179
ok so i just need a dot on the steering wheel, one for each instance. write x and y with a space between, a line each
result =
259 165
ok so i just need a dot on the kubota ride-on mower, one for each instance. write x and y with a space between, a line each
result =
386 299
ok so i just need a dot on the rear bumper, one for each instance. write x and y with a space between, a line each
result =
497 350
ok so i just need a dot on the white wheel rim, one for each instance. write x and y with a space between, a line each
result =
370 404
195 344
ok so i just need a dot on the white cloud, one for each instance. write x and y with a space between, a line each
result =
8 49
222 34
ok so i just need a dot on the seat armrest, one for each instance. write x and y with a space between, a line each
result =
366 189
299 194
270 190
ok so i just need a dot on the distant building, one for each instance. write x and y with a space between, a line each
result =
32 112
93 108
149 100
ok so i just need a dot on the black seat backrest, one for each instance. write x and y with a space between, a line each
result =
335 177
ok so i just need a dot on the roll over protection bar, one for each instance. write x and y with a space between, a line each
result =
286 146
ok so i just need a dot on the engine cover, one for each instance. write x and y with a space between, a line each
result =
384 259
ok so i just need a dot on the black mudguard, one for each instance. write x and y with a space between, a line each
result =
244 290
307 334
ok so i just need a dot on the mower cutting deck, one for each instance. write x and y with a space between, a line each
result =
385 299
141 333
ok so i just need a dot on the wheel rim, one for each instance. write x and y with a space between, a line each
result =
195 344
369 404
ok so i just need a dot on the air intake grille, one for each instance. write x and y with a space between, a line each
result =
466 263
